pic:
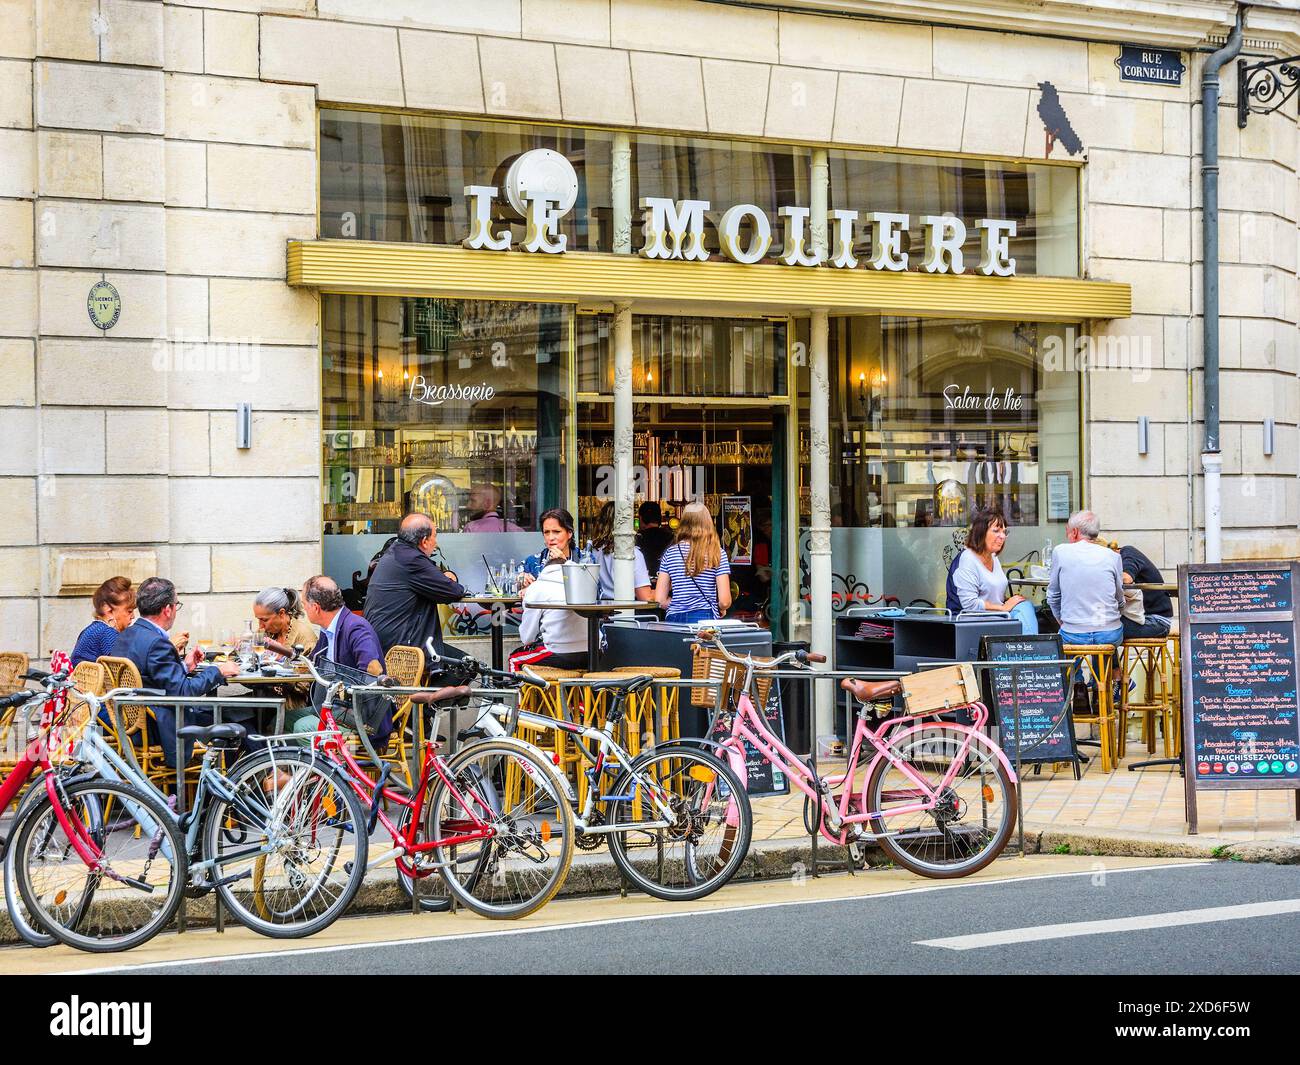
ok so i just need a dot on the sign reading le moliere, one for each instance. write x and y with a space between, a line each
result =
542 187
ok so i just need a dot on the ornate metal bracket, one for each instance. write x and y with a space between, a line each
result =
1263 88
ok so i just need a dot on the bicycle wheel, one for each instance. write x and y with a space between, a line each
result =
976 809
141 873
28 927
511 789
432 888
710 831
290 847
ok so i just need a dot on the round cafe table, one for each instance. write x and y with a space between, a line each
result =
595 613
498 605
255 681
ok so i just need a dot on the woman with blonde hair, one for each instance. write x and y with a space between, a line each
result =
694 573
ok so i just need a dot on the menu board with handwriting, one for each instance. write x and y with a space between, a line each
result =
1031 704
1240 679
1239 591
761 776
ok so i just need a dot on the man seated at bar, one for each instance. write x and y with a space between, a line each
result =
1158 607
345 638
148 645
485 514
1086 587
977 580
407 587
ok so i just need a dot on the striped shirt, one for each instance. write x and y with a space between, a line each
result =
691 593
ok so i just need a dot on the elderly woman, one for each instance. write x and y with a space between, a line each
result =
279 615
114 606
978 580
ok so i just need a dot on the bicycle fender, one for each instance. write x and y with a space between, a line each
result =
898 737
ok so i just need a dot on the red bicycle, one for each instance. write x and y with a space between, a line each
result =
492 821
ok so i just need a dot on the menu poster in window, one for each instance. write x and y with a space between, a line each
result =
738 529
1240 680
1058 496
1032 704
761 776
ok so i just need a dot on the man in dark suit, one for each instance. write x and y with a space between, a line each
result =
345 638
147 644
406 588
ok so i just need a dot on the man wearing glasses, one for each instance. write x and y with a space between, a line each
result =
147 644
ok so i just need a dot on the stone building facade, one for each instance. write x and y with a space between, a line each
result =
171 149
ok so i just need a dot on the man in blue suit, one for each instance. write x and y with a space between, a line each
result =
147 644
345 638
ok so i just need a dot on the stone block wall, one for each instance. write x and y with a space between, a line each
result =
170 147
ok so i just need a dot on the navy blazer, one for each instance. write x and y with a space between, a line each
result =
159 662
356 644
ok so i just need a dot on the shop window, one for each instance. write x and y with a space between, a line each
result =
929 420
456 408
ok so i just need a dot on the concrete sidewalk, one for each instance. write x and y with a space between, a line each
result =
1120 813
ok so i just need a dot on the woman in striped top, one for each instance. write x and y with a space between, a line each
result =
694 573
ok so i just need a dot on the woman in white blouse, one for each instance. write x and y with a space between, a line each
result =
978 580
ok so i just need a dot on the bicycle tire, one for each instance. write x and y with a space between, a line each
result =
29 929
700 874
316 874
95 910
1003 796
497 866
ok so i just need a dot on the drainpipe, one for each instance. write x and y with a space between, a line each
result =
1211 458
624 537
819 406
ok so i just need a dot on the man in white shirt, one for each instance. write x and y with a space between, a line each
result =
1086 588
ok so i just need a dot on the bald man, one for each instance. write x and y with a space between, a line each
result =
406 588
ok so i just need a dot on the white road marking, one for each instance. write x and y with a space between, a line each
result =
1119 924
667 915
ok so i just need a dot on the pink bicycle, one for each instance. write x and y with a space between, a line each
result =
939 797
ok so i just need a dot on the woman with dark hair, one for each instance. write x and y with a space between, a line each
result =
557 533
114 604
551 637
602 543
977 578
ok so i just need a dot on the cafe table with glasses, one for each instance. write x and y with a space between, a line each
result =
497 606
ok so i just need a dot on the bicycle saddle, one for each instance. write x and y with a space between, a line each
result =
441 695
871 691
214 735
628 684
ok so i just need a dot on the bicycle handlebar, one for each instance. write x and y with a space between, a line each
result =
709 639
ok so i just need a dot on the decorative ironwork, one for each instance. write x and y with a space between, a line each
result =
1263 88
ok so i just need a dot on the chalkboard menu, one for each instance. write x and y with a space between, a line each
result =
1238 625
1032 706
761 776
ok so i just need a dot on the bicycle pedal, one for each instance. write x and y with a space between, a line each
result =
618 798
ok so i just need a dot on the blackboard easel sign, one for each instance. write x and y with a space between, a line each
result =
1238 622
1040 695
761 776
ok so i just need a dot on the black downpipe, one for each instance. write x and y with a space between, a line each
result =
1210 223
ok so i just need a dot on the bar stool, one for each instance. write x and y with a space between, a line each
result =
1173 650
548 702
664 700
1151 657
1098 659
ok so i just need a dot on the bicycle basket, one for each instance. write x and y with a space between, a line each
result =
368 711
708 664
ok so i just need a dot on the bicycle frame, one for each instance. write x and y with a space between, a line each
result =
748 725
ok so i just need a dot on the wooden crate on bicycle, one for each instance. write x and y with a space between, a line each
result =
935 690
708 664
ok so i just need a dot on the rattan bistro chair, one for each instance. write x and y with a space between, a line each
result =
1098 660
406 666
13 664
135 718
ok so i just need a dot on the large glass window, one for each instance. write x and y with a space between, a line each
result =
402 178
456 408
929 420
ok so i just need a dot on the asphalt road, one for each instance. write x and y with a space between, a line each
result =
1023 916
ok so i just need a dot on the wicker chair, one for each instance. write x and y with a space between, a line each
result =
13 664
406 666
